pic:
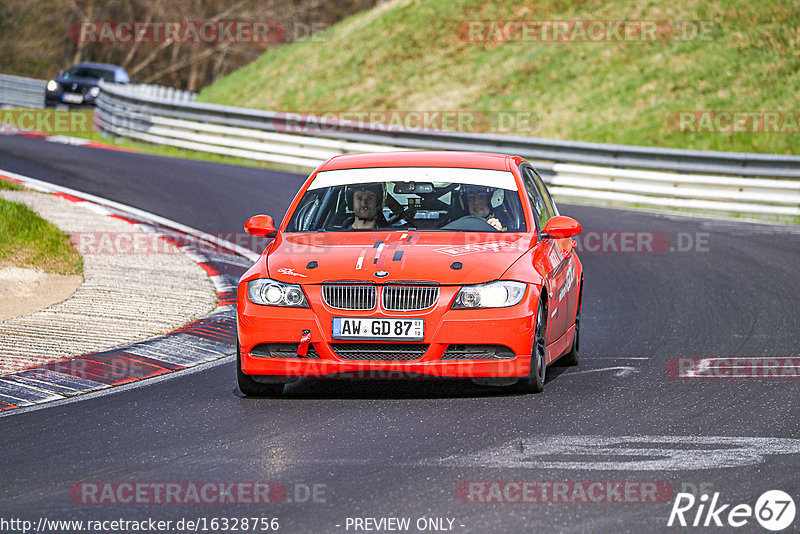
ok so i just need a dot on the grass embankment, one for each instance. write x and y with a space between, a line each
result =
27 240
412 55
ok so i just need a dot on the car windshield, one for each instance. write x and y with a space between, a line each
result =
410 198
88 72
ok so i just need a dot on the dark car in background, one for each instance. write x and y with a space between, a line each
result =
80 84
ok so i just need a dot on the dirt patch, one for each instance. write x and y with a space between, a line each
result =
24 291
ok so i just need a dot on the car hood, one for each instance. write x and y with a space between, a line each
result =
417 256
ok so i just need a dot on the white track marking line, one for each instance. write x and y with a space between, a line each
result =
616 358
623 370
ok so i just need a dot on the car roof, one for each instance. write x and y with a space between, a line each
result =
412 158
90 64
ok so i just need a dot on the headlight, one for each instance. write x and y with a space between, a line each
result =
51 85
94 91
273 293
499 294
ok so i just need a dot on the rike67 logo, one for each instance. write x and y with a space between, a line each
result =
774 510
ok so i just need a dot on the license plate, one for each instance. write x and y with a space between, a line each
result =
72 98
378 328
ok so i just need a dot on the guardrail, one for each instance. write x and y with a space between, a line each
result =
162 92
22 92
671 190
708 181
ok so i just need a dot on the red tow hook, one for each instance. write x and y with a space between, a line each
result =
302 350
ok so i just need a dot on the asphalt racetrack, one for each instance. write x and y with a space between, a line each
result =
433 451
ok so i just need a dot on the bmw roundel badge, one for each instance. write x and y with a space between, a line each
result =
381 274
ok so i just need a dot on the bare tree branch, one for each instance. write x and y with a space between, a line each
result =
149 59
180 65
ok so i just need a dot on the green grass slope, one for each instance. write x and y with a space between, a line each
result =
27 240
411 56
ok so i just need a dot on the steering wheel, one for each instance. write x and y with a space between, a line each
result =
471 223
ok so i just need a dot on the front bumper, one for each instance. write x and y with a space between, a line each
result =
511 327
54 98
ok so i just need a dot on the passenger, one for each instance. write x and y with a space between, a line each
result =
477 201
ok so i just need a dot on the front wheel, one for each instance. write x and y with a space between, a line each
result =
250 387
534 382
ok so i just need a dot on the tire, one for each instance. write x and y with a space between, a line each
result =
534 382
250 387
571 358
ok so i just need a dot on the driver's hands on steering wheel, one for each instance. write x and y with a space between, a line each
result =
495 222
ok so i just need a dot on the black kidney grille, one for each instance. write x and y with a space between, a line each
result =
410 297
350 296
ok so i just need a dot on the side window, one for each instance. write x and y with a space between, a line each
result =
541 210
548 200
306 213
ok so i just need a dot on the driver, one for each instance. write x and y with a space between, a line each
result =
477 201
366 201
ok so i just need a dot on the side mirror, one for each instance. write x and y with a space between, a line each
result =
561 227
260 226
